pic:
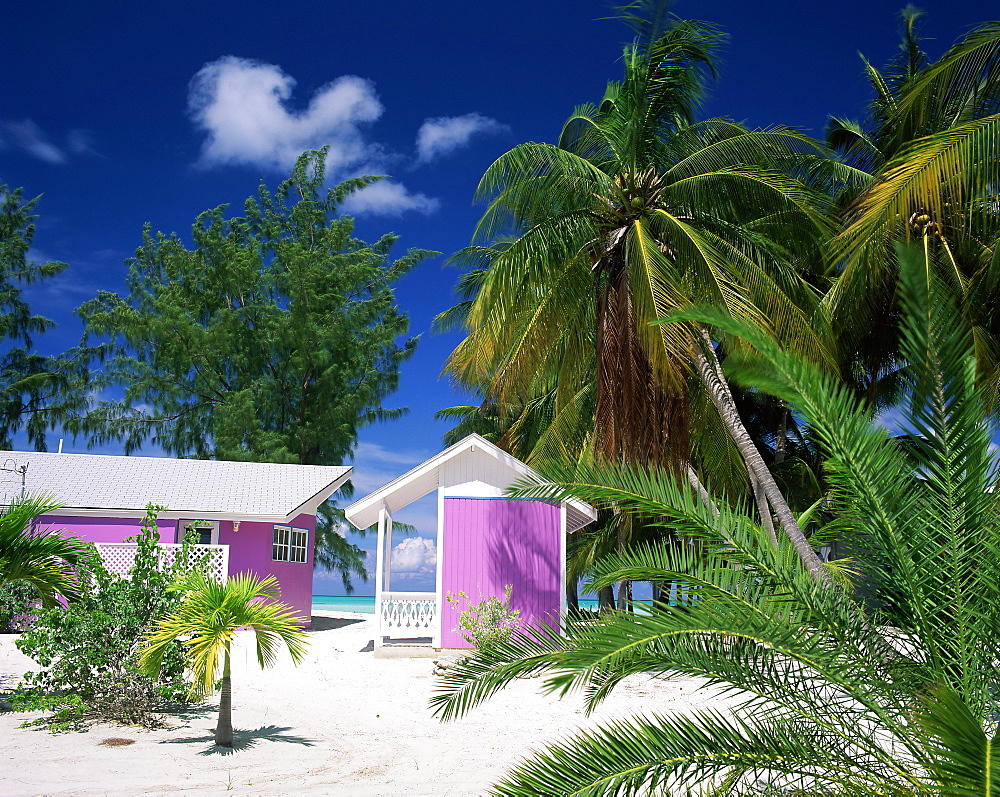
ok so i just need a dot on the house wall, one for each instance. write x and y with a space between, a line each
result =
249 548
104 529
489 543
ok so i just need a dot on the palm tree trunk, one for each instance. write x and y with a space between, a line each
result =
763 507
637 418
710 373
781 436
224 729
695 482
661 593
606 598
572 594
623 586
624 596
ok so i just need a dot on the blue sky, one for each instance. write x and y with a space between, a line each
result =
121 113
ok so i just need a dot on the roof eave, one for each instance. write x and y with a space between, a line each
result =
364 512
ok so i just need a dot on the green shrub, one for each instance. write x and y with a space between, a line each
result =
88 650
488 622
68 712
18 607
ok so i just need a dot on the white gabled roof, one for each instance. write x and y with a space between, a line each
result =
426 477
99 484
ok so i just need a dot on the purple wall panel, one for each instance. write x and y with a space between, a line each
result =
489 543
249 548
104 529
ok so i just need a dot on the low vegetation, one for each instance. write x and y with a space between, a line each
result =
87 651
488 622
18 603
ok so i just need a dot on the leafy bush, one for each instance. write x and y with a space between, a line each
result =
18 604
488 622
88 650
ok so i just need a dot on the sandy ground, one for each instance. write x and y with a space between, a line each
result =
342 723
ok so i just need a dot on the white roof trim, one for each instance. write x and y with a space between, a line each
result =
364 512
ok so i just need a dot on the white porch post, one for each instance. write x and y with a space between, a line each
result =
439 586
387 575
379 565
562 562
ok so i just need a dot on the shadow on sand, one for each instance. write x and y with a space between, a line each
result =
243 740
331 623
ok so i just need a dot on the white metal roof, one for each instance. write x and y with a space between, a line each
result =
99 484
418 482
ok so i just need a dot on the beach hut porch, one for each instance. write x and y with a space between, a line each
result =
403 618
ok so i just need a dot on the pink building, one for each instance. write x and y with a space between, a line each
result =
484 542
260 517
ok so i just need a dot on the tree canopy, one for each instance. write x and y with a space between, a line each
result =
273 338
32 386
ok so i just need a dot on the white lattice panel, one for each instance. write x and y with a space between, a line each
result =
120 556
409 612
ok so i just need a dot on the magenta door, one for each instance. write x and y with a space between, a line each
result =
491 542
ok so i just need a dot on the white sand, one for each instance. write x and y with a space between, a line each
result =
342 723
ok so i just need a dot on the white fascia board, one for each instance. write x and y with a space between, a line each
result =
363 513
311 505
178 514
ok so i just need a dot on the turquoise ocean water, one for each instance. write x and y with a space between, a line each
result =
365 605
352 603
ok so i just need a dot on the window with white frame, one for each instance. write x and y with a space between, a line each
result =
289 544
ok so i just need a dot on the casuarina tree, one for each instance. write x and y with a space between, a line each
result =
273 338
33 387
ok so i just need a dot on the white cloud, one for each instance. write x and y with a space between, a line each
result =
445 134
80 142
32 139
243 107
395 456
376 465
29 137
388 198
414 557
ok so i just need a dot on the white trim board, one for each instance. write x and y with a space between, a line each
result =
426 477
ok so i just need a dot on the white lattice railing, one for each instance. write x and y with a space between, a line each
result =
412 612
120 556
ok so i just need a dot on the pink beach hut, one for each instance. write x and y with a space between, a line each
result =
485 541
253 516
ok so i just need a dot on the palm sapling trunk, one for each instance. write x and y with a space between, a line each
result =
224 728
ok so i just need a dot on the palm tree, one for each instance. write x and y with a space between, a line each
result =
929 155
209 617
894 694
42 558
637 213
